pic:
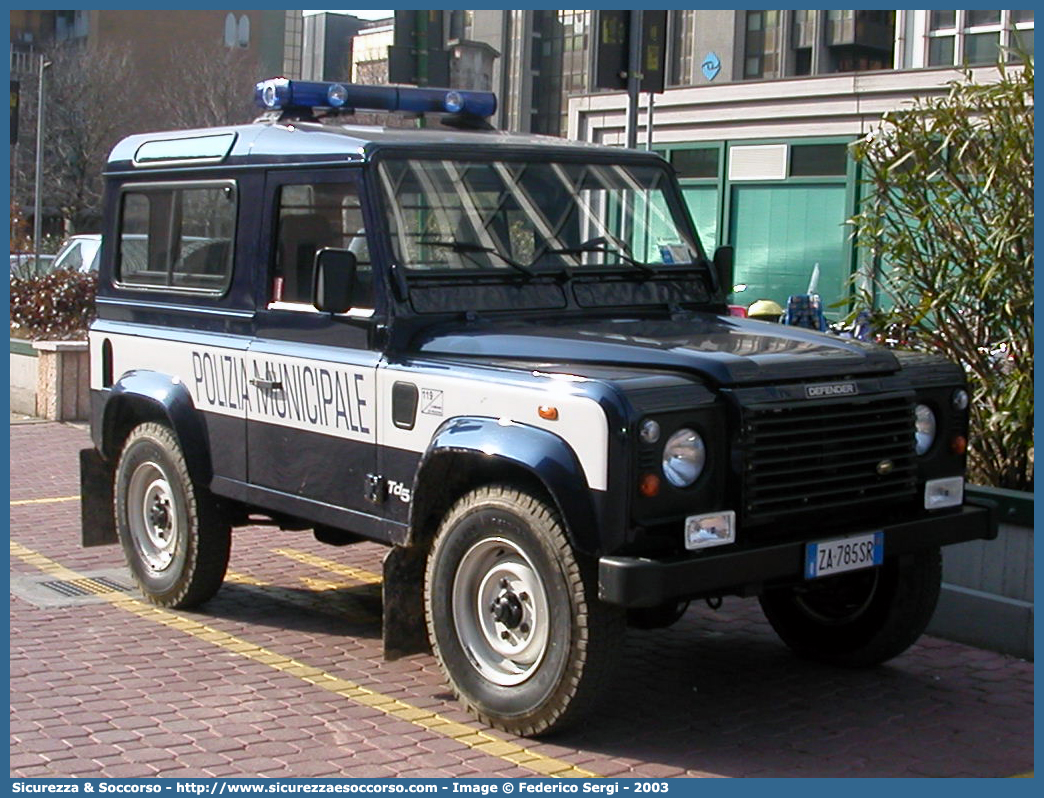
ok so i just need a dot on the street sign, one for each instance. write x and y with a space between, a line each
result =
612 33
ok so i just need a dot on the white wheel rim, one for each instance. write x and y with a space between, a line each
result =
500 611
152 516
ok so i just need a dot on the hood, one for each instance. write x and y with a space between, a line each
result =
723 349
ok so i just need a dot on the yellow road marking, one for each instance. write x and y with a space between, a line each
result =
479 740
358 574
20 502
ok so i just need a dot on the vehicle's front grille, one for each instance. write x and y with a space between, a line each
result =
818 457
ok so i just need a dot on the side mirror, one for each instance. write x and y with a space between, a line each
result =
333 281
723 268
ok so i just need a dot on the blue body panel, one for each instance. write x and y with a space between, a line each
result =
170 400
543 454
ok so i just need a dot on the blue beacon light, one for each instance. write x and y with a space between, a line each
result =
283 94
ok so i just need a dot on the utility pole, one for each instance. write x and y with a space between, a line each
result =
37 204
634 77
649 124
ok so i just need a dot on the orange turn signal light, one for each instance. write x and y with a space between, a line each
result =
649 485
959 445
548 413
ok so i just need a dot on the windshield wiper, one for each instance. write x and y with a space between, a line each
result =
602 245
467 248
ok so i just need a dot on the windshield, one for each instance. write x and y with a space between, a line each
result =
512 216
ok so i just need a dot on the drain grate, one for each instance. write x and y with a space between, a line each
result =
93 587
85 587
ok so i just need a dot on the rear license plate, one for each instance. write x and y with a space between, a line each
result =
827 557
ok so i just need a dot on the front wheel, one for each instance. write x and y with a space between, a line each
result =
862 618
513 614
173 536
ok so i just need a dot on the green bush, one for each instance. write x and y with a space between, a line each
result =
948 227
54 306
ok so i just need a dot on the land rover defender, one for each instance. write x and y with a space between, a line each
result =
509 359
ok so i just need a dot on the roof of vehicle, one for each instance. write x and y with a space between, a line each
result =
268 142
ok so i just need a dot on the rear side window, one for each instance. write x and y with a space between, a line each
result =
177 237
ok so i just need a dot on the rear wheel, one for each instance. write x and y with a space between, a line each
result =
862 618
513 615
174 538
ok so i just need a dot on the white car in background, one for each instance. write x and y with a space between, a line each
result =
23 264
79 253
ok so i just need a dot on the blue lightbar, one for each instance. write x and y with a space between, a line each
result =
284 94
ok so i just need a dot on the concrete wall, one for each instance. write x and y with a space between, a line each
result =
50 379
24 368
987 596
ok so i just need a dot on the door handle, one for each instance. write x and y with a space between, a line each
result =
266 385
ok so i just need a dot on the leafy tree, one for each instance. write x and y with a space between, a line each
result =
948 226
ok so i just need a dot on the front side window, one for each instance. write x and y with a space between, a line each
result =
315 216
518 216
177 237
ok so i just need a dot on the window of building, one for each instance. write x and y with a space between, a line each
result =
803 33
761 54
237 31
178 238
987 17
559 64
314 216
977 37
681 27
818 160
703 162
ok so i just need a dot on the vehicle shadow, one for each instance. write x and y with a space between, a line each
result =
353 610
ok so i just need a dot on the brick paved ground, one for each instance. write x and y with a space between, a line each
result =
281 675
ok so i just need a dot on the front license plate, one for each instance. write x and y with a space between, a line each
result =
827 557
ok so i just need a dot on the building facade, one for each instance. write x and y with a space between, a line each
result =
759 112
327 45
129 71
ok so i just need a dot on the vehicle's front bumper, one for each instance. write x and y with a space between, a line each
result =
642 582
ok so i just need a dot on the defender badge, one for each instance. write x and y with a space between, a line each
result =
831 389
885 467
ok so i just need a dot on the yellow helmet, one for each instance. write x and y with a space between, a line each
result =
765 309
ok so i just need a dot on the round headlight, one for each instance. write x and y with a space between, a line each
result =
649 431
684 456
960 399
924 428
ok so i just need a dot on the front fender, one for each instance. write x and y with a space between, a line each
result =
544 455
143 395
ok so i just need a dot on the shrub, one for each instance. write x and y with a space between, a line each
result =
948 225
54 306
